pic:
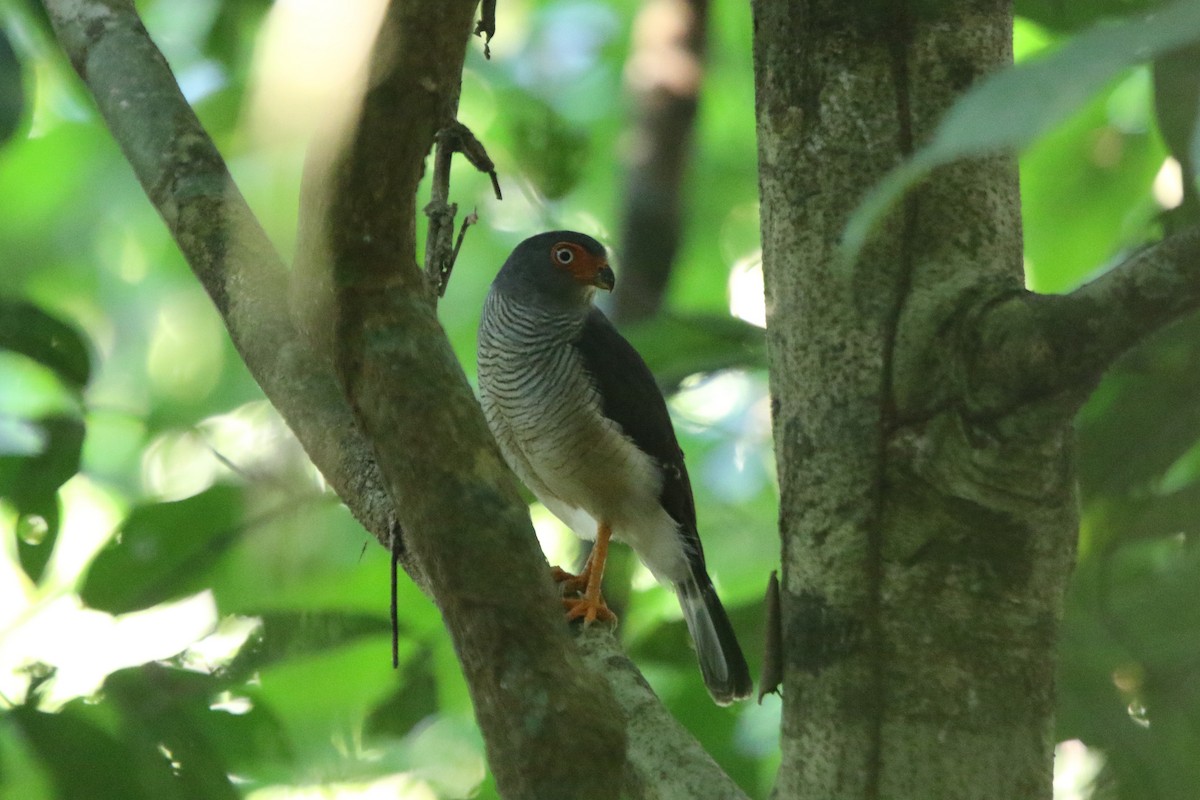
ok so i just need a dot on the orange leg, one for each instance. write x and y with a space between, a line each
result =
591 606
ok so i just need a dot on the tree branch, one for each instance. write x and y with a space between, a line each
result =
187 181
462 514
1032 347
665 760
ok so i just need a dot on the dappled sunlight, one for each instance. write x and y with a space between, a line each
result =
1168 184
28 390
258 603
251 443
187 349
1076 767
47 633
519 209
83 646
219 647
308 67
565 51
710 400
392 787
447 754
730 407
757 733
178 464
746 299
90 517
559 543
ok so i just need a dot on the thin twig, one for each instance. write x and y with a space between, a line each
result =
439 254
444 278
440 212
396 548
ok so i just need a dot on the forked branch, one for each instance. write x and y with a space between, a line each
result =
1033 347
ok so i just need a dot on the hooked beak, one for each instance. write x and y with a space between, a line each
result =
605 279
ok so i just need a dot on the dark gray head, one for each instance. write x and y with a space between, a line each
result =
561 268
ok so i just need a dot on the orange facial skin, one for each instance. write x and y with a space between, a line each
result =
588 269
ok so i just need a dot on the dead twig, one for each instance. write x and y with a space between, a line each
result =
486 26
439 252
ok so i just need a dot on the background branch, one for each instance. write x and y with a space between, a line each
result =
664 74
1033 347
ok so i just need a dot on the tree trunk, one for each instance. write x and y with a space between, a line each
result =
927 531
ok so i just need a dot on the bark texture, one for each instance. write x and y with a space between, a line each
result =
925 546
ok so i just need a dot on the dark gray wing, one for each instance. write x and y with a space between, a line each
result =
631 398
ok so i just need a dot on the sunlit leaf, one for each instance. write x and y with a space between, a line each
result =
1046 90
1085 194
1177 108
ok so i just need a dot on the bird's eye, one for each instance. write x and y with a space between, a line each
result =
563 254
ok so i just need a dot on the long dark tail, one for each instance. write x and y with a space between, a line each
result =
721 661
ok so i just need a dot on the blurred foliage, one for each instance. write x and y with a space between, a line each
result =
12 89
186 612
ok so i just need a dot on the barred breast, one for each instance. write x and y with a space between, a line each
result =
546 415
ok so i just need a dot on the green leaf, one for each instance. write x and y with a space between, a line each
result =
290 635
676 346
352 679
84 761
1071 15
163 707
27 329
12 90
31 483
1143 417
1010 109
1080 207
1129 642
550 149
164 551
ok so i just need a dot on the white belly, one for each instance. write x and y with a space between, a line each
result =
583 468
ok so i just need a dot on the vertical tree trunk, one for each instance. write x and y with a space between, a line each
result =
927 537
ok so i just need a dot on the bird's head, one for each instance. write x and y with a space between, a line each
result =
563 267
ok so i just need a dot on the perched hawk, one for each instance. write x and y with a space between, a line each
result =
581 421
